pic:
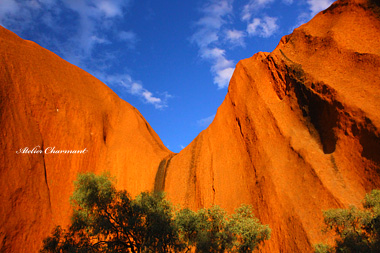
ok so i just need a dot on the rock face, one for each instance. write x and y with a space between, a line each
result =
47 102
298 133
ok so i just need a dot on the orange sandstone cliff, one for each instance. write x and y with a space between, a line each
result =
47 102
298 133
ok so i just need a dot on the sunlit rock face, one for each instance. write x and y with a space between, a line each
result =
46 103
297 133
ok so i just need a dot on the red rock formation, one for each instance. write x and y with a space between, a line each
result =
47 102
298 132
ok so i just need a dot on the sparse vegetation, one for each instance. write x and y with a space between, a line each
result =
107 220
357 231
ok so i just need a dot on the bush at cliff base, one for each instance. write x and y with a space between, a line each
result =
107 220
356 230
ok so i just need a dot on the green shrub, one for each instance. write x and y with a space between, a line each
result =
356 230
107 220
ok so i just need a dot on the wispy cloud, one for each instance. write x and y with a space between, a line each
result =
94 18
110 8
259 24
221 67
264 27
318 5
206 121
98 40
235 37
128 36
314 6
90 21
253 7
288 1
8 7
137 89
207 36
93 24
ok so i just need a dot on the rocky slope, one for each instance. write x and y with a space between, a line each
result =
47 102
298 132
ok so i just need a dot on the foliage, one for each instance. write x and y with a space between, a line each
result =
323 248
247 229
356 230
207 227
212 230
107 220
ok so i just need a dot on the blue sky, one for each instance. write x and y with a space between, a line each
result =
172 60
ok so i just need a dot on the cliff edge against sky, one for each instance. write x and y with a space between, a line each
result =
47 102
297 133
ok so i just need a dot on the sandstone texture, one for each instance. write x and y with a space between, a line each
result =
298 133
47 102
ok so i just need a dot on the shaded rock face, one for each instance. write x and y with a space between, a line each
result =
298 133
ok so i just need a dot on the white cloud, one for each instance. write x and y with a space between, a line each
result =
211 22
234 34
89 21
204 37
129 37
109 8
263 2
288 1
92 24
223 77
92 17
100 40
136 89
257 23
235 37
315 6
318 5
221 68
148 96
218 8
253 26
208 35
253 7
18 14
206 121
264 27
212 53
8 7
